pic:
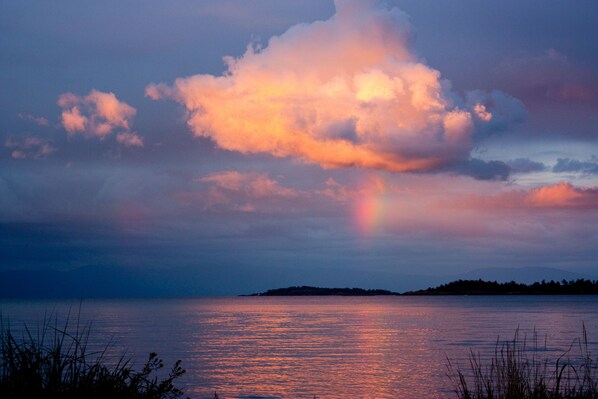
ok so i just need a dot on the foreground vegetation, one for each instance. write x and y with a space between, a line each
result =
56 362
516 371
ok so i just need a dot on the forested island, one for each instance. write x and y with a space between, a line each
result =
480 287
317 291
459 287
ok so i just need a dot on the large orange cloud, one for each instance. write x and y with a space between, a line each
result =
347 91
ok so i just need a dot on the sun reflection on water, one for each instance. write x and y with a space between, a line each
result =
327 347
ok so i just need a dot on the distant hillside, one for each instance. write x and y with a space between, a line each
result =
316 291
480 287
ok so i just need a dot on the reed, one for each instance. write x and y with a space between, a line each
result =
55 361
518 370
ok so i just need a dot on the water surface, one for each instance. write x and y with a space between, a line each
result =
329 347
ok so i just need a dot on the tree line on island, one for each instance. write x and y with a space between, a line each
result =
459 287
317 291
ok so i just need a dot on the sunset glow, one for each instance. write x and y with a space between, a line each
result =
279 199
237 146
361 98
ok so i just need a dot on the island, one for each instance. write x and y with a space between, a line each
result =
458 287
481 287
317 291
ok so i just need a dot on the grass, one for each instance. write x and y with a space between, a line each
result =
517 371
56 362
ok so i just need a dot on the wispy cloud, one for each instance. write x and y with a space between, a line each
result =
563 195
38 120
129 139
564 165
250 191
29 147
549 76
348 91
480 169
253 184
525 165
98 114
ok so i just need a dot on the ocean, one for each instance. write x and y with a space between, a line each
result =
323 347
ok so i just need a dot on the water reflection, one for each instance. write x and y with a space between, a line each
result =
326 347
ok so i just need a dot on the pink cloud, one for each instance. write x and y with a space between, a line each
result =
347 91
98 114
29 147
73 121
563 195
336 191
38 120
130 139
444 207
430 206
116 113
258 191
546 198
249 184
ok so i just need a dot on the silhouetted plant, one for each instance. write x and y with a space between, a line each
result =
57 363
516 372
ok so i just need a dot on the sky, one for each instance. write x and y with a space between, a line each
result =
228 146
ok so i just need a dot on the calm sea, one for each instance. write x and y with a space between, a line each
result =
328 347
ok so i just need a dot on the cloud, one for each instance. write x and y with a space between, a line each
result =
258 192
549 76
252 184
97 115
38 120
30 147
494 111
480 169
241 191
573 165
129 139
524 165
563 195
344 92
335 191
